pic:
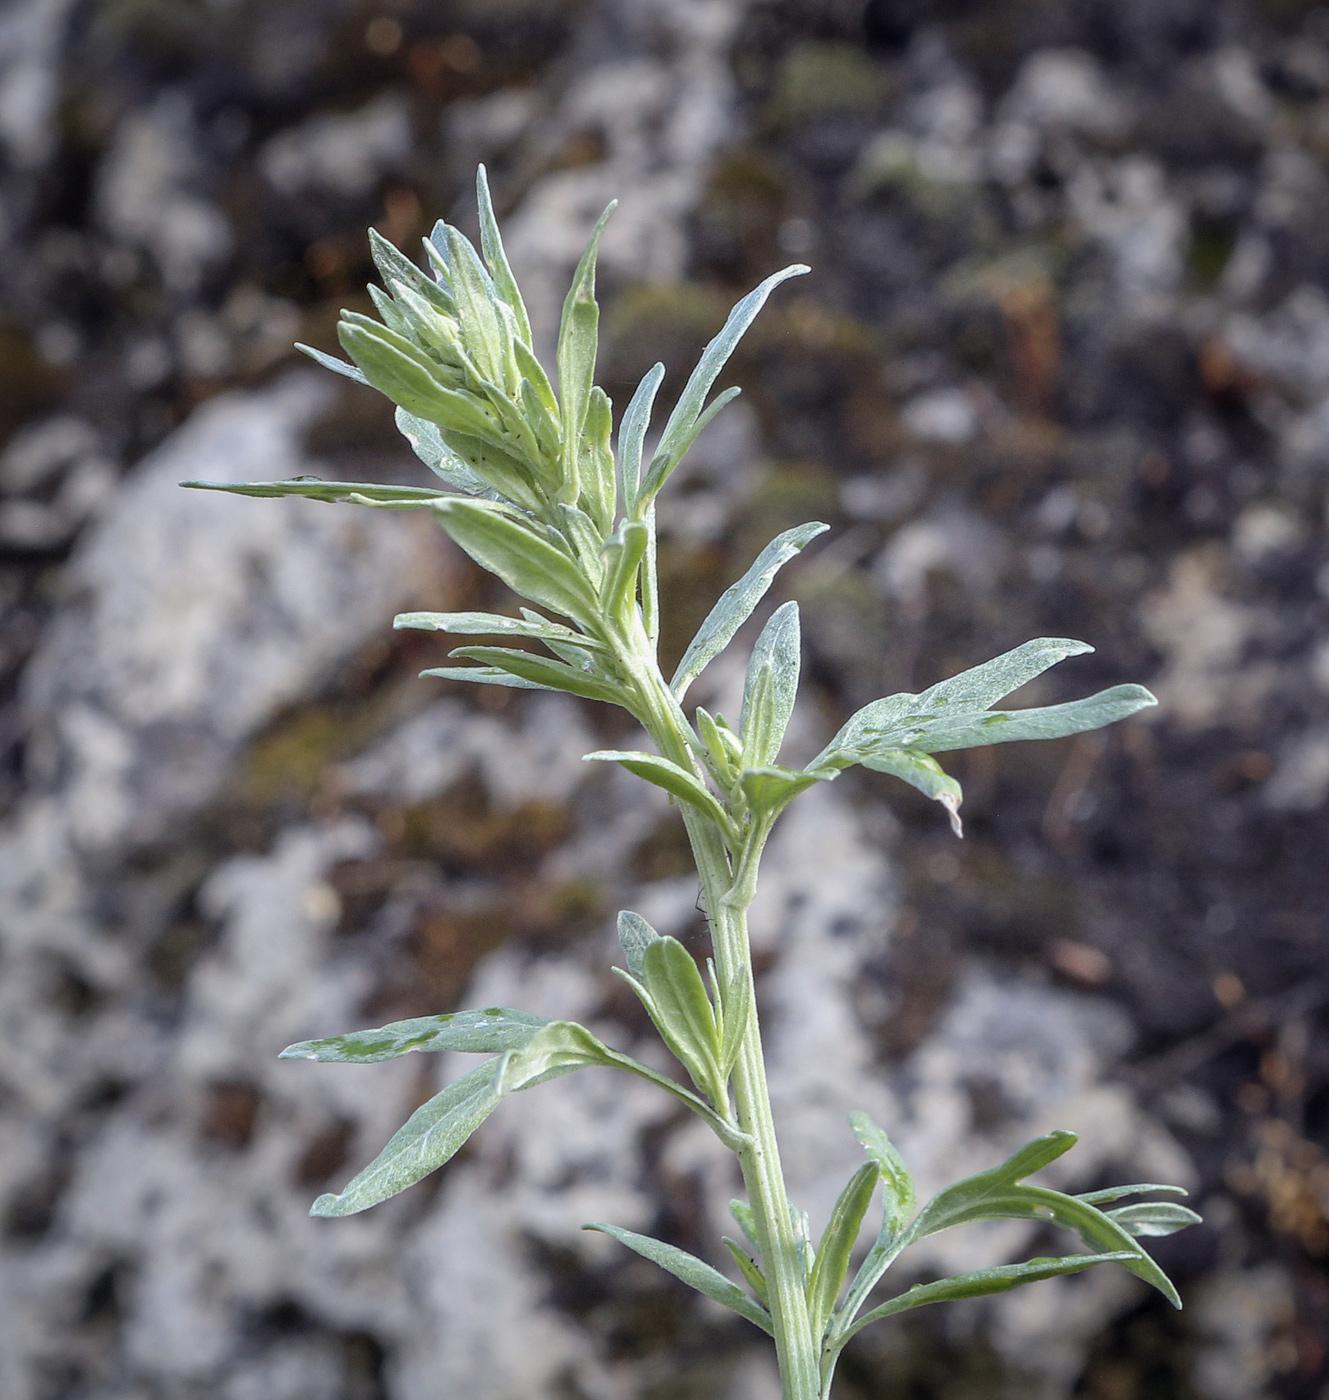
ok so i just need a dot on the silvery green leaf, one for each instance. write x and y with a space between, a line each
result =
623 553
921 771
980 687
998 1195
756 1280
436 249
509 478
598 486
685 1018
542 422
898 1202
837 1244
580 531
531 368
394 266
985 1281
483 330
435 1132
578 338
1045 722
736 603
771 687
1141 1188
632 435
771 788
408 377
419 320
333 363
487 1032
558 1048
491 244
426 440
661 467
664 773
527 563
650 579
724 764
955 713
682 424
544 672
894 735
747 1222
483 675
736 1009
313 489
477 624
897 1183
394 317
428 1138
635 935
693 1272
564 1046
1153 1218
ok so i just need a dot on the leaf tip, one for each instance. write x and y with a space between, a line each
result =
951 802
326 1207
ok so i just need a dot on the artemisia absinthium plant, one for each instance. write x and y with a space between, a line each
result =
536 487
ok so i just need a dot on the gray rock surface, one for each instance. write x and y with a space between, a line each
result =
163 934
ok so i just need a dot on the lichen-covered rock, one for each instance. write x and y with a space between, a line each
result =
1061 369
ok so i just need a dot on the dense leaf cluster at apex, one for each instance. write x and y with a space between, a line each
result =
535 492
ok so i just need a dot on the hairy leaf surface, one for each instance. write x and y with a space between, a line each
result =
487 1032
692 1271
736 603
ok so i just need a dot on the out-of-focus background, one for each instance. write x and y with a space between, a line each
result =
1062 368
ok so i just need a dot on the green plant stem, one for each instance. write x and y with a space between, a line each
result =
796 1348
728 893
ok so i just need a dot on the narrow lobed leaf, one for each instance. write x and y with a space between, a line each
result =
921 771
635 935
676 781
837 1244
395 266
429 446
691 1271
632 436
772 687
736 603
1143 1188
487 1032
687 1020
347 371
747 1222
477 624
484 331
578 337
985 1281
491 244
683 421
898 1184
754 1277
1153 1219
483 675
314 489
545 672
429 1138
527 563
623 553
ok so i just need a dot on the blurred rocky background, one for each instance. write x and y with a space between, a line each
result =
1062 368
